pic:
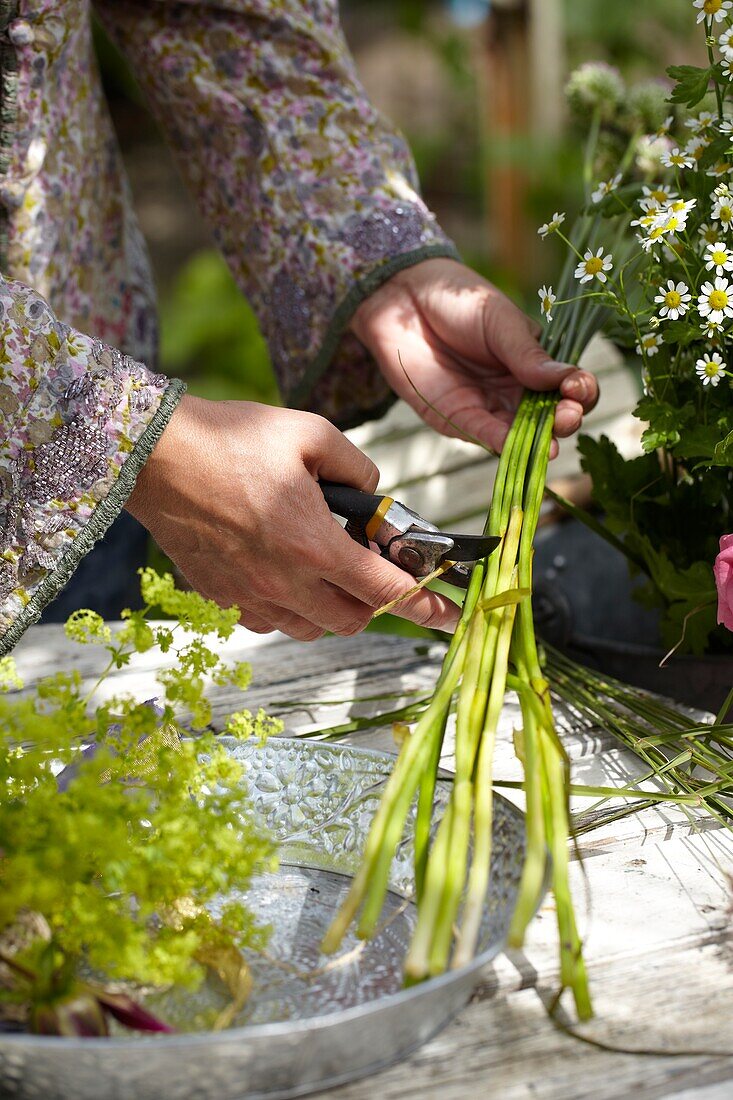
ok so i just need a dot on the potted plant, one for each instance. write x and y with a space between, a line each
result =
650 260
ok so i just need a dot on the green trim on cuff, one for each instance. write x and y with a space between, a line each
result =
104 514
363 286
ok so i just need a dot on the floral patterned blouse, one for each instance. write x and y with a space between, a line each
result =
310 195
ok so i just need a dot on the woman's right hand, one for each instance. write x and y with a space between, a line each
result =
230 493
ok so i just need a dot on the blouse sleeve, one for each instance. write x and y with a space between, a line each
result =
311 196
77 421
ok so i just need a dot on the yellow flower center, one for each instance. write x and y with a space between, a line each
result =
650 342
726 213
547 304
594 265
718 299
719 256
711 6
660 196
710 235
671 225
672 299
711 369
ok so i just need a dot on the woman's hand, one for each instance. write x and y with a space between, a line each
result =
467 349
230 494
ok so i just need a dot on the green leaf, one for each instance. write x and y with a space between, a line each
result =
688 629
666 422
691 84
723 453
698 441
680 332
504 599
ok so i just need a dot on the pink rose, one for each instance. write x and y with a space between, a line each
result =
723 570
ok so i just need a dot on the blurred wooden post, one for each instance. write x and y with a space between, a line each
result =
547 66
522 103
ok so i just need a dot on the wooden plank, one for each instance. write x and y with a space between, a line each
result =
503 1046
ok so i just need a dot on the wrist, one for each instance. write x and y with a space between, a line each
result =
159 468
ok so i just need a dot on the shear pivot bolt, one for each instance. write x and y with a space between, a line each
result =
411 559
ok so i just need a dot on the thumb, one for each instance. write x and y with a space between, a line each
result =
328 454
510 339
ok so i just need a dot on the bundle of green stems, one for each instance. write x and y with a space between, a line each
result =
495 634
693 761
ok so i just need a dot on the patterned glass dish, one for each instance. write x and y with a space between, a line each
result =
311 1022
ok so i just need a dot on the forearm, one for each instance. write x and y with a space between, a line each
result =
312 197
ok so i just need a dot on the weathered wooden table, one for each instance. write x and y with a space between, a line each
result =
656 915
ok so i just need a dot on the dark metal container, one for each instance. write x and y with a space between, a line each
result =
584 605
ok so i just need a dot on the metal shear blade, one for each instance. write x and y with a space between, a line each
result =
404 537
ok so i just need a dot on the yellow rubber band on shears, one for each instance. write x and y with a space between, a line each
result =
376 521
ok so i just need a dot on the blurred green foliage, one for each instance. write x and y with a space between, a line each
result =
626 32
210 337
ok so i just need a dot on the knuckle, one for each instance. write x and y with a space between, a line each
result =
307 634
384 592
354 626
314 555
321 428
266 588
257 626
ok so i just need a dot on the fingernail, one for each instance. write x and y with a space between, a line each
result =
574 387
553 367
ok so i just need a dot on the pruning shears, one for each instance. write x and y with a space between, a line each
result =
404 537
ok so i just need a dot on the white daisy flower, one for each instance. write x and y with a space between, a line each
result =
666 126
700 122
695 147
658 192
673 216
649 344
709 233
677 158
718 256
725 42
547 298
671 220
654 236
726 125
652 213
716 299
674 300
594 265
722 168
710 369
710 329
712 9
554 223
722 210
726 67
606 188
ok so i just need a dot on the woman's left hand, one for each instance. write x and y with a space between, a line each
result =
467 349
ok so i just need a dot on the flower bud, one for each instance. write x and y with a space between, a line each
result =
595 86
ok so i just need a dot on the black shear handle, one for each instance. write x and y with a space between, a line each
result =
352 504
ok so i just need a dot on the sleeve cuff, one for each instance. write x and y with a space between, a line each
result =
362 286
104 514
